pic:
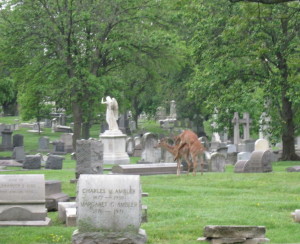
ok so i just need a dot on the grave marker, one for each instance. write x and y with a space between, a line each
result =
18 140
109 209
22 200
89 157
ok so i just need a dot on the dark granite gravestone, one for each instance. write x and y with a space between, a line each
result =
54 162
32 162
6 140
89 157
18 140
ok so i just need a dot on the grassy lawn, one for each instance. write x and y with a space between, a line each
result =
180 207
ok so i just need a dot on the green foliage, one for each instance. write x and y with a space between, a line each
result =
244 57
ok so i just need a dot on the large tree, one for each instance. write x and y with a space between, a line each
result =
79 46
246 57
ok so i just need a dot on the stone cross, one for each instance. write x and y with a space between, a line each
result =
236 128
246 121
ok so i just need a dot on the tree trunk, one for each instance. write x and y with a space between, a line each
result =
86 130
288 132
77 116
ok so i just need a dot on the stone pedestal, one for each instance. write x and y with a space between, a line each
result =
114 146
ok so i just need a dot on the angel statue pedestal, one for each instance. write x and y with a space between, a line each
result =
114 141
114 147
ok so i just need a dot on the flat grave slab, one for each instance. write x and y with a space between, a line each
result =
145 169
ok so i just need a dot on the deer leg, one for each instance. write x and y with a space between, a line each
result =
177 154
178 167
202 164
195 165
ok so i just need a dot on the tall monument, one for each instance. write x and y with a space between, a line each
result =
114 141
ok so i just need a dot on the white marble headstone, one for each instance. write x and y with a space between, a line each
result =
109 203
261 145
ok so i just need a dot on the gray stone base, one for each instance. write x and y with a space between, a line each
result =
114 147
109 238
45 222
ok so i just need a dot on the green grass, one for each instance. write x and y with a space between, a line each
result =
180 207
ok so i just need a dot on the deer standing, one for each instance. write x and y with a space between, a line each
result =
182 153
196 149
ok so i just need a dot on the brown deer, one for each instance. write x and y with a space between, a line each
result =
182 153
196 149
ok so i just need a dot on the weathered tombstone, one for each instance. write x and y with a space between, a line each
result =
239 167
48 123
261 145
219 234
231 158
150 152
59 148
44 144
243 156
223 150
132 125
137 140
32 162
2 127
54 162
19 154
62 119
67 139
161 113
130 146
18 140
138 150
293 169
6 140
63 128
145 169
236 128
173 113
231 148
62 207
249 145
124 123
260 162
217 162
54 124
54 195
89 157
22 200
109 210
246 125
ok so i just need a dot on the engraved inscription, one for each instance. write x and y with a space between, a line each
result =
99 200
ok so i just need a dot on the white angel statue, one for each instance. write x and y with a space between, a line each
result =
112 112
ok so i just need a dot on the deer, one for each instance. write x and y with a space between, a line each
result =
189 139
182 153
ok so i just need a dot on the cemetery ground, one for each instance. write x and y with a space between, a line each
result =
180 207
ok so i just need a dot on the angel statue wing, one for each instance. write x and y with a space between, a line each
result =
115 108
